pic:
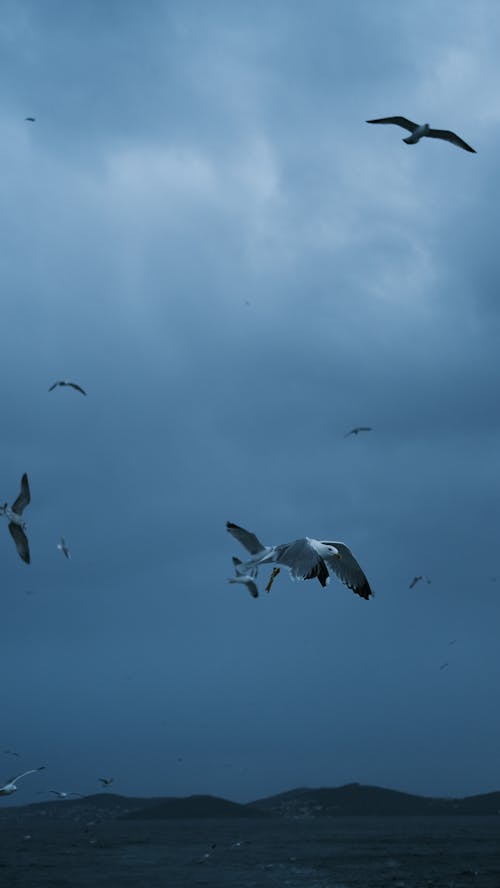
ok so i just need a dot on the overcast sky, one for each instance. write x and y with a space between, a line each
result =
202 231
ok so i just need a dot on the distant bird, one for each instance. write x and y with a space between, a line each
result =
31 119
417 579
443 666
10 787
10 752
63 548
245 577
16 525
65 795
106 781
357 430
305 559
67 382
274 574
423 129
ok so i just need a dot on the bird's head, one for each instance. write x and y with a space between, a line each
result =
332 549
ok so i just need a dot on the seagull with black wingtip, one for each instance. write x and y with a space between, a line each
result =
305 559
419 130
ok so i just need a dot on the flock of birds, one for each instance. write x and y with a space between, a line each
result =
305 558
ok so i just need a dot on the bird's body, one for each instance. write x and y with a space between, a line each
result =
305 559
30 119
16 524
10 787
419 130
66 382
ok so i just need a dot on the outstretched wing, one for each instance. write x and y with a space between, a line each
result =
348 570
31 771
21 541
52 387
77 387
448 136
24 497
251 543
247 581
399 121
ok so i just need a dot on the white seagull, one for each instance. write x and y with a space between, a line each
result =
67 382
17 526
10 787
65 795
245 576
423 129
63 548
305 559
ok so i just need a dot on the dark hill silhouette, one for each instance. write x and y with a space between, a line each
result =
355 799
194 806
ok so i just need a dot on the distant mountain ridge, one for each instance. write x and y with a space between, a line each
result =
356 799
352 799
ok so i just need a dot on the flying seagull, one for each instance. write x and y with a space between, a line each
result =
305 559
357 430
417 579
63 548
423 129
106 781
10 752
16 523
67 382
31 119
65 795
245 577
10 787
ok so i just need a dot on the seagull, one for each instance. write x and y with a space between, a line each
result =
65 795
10 752
67 382
63 547
16 523
31 119
357 430
417 579
305 559
245 577
106 781
423 129
10 787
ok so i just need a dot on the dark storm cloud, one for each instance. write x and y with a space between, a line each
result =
186 161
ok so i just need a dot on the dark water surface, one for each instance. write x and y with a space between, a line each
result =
349 852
